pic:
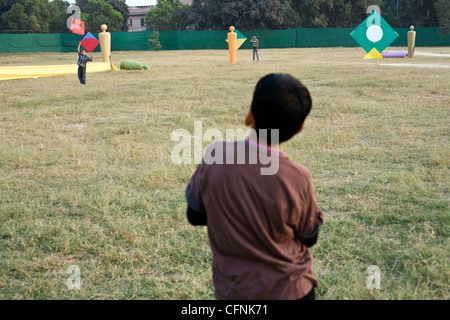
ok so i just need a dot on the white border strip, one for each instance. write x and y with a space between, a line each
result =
418 65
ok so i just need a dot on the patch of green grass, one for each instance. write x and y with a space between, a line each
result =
86 176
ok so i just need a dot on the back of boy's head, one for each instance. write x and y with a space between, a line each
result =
281 102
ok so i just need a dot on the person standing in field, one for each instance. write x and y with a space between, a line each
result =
255 43
82 61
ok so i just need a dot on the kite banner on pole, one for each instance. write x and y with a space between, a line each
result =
240 39
374 35
89 42
77 26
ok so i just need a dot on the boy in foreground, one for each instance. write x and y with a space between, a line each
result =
260 226
82 61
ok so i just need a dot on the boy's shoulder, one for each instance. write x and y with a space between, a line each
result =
219 150
290 165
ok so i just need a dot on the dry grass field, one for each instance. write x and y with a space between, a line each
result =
86 176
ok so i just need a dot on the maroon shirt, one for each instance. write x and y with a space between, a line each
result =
253 223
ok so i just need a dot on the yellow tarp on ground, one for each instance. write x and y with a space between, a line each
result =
10 73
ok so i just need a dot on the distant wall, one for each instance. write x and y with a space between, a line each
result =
194 40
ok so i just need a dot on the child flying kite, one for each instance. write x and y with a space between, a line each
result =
90 43
82 61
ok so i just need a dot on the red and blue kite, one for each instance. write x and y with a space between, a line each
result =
89 42
77 26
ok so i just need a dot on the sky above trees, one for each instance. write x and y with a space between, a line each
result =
141 2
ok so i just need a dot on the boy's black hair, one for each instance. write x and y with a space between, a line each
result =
281 102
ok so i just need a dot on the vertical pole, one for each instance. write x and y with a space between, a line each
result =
105 43
411 42
232 43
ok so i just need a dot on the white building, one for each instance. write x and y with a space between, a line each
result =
136 21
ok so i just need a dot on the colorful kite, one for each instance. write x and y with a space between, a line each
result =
240 39
374 35
77 26
89 42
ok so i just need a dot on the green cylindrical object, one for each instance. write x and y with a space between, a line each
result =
130 65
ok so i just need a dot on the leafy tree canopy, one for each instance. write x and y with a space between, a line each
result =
166 16
44 16
98 12
244 14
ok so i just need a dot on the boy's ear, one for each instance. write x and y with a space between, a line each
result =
249 119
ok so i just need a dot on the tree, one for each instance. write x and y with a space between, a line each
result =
5 5
82 4
16 18
29 15
359 12
122 7
58 21
389 13
154 41
243 14
330 13
313 13
420 13
166 16
49 15
443 15
98 12
340 14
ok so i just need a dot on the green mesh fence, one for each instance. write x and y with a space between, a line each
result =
194 40
272 38
325 38
30 43
129 41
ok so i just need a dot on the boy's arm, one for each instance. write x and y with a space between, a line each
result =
196 218
79 45
309 239
309 232
196 212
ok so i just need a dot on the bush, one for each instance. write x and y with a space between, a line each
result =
154 42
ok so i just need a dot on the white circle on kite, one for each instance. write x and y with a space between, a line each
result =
374 33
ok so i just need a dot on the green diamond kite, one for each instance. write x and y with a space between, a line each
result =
374 33
240 39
